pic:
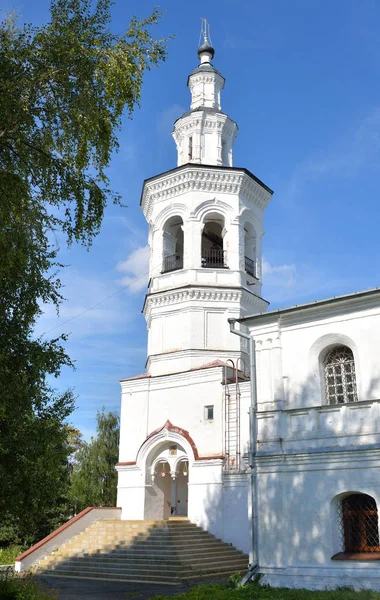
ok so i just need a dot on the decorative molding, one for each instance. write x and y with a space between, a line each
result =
207 294
168 426
197 179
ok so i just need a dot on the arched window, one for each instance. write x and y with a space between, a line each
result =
172 245
250 249
359 524
340 378
213 254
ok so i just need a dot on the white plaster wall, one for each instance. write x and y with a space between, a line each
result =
148 403
131 492
206 496
298 524
236 528
303 339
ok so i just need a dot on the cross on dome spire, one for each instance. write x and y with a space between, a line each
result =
205 51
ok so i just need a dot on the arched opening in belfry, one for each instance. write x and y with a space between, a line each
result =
250 250
213 252
172 245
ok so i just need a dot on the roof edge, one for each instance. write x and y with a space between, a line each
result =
308 305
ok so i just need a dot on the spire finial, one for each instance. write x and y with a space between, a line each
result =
205 31
205 51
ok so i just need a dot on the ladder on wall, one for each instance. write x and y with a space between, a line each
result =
232 444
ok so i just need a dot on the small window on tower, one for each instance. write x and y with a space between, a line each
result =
190 147
209 413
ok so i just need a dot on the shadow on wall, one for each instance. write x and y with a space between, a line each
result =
224 511
324 457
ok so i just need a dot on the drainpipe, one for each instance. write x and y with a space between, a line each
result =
254 550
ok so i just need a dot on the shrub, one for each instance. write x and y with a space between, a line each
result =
8 554
21 588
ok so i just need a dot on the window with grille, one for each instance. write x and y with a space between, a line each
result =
340 378
359 529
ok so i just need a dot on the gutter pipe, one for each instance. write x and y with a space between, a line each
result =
254 550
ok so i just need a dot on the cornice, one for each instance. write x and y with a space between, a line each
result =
201 294
195 121
327 308
203 178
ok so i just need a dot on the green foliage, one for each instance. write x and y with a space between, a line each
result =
94 478
33 452
22 588
63 89
8 555
257 592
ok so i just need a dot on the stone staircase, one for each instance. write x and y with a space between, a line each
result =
170 552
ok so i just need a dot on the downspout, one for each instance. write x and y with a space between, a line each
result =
254 550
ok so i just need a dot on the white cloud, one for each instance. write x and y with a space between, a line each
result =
137 268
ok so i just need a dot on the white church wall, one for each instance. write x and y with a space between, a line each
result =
133 417
182 400
148 403
298 524
131 492
206 496
236 529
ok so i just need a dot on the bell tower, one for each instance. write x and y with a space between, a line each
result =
205 231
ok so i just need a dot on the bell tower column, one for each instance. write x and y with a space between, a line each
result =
206 224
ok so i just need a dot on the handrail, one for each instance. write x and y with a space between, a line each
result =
249 266
38 548
173 262
214 257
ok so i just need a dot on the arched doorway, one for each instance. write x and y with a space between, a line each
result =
180 480
167 471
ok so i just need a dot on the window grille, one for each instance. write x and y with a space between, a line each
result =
358 523
340 378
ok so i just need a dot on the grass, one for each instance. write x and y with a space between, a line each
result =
256 592
22 588
8 554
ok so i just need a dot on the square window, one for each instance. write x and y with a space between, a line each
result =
209 413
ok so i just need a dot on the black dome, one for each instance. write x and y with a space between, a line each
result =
206 48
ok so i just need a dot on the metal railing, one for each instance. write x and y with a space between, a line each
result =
250 266
172 263
214 258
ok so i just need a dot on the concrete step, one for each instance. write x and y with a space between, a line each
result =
154 573
174 564
167 552
217 575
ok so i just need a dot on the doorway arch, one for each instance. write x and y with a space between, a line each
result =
166 457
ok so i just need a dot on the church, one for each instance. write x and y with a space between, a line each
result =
260 426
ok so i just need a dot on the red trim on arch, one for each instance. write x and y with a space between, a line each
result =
170 427
126 464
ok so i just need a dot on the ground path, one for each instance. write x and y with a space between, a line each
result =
88 589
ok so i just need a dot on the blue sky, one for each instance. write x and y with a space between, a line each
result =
303 84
